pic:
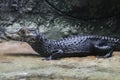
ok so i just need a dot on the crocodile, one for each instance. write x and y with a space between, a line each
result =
79 45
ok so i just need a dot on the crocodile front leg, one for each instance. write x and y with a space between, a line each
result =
55 54
106 51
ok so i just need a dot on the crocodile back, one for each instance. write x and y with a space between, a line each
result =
85 44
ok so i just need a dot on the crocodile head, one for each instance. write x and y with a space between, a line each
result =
27 35
33 38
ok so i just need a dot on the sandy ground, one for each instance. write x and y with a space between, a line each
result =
18 61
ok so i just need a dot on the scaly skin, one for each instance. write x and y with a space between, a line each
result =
82 45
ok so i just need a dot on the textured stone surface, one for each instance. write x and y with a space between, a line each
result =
19 62
86 9
15 14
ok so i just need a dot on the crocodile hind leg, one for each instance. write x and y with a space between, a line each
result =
55 54
106 51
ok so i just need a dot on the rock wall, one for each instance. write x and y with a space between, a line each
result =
61 18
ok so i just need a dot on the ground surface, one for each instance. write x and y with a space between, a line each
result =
19 62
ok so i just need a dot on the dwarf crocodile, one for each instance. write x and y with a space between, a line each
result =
80 45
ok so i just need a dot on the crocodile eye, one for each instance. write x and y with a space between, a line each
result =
22 33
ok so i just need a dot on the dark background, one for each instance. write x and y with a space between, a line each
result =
60 18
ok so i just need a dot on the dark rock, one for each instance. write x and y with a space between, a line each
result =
64 17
